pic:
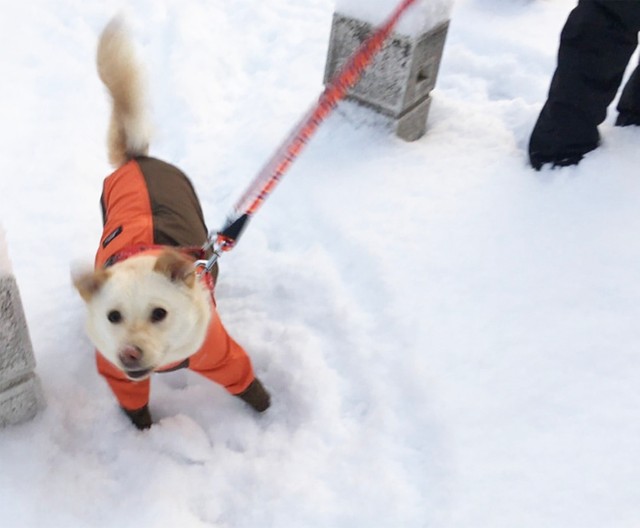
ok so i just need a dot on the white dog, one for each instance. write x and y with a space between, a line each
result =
148 309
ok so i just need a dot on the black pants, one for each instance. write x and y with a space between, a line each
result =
596 44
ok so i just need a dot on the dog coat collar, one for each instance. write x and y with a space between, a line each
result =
198 253
192 251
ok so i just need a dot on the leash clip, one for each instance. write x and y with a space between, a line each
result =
222 241
217 245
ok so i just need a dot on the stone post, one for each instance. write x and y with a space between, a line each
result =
20 391
399 81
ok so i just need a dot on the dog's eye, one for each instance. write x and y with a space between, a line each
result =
158 314
114 316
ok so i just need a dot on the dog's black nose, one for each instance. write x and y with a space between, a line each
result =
130 357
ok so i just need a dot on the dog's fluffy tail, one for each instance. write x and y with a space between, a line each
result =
129 131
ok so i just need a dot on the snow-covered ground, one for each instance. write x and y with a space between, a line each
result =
450 338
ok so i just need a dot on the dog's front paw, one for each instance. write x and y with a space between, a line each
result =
141 418
256 396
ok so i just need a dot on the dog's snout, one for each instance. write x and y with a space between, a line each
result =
130 356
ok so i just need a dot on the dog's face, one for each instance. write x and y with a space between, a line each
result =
146 312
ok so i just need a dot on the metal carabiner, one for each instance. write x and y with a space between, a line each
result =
217 246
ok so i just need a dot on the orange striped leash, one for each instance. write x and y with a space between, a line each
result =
273 171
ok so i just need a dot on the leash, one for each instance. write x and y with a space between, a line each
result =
275 168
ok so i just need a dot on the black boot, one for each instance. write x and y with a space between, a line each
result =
141 418
629 103
560 137
256 396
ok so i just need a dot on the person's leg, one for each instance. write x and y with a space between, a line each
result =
629 103
596 43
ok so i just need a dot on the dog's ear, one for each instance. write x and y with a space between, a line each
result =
89 283
176 267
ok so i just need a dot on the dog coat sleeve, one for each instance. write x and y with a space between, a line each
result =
132 395
222 360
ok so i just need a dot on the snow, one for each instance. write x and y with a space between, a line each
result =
450 338
5 262
419 18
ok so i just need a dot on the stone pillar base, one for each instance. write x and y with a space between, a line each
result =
20 392
21 402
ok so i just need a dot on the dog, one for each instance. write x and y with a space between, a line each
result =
148 309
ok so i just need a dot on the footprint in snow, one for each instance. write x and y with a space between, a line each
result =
181 438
